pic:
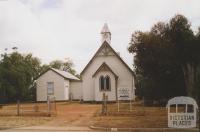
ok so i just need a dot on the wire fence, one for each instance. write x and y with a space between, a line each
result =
29 109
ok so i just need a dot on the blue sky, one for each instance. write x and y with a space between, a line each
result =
60 29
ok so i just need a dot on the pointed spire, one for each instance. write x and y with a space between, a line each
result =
105 29
105 33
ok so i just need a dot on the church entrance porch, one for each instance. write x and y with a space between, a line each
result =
105 82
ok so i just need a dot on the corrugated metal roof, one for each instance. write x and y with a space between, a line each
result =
65 74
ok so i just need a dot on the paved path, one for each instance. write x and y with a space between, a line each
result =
86 129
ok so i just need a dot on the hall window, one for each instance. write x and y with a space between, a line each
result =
50 88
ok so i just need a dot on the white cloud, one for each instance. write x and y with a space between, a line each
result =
57 29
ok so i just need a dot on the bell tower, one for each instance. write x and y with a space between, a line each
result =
105 34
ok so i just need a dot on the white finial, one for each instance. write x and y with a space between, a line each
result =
106 35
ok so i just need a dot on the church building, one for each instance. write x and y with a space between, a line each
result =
106 72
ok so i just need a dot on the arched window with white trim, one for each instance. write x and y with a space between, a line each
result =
107 83
101 83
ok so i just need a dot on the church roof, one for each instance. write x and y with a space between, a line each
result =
102 46
104 66
105 29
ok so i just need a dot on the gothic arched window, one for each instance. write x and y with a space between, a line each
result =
107 83
101 83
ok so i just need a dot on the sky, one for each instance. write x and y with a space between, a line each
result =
63 29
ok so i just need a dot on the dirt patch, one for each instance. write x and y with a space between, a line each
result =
68 114
138 117
25 109
76 114
17 121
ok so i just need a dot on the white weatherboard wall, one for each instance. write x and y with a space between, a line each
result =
66 89
60 91
76 90
125 76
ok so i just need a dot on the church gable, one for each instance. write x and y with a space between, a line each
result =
105 51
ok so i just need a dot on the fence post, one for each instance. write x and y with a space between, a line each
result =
118 105
18 107
55 105
103 104
71 97
106 106
48 106
130 105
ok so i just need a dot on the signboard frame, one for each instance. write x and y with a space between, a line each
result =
124 94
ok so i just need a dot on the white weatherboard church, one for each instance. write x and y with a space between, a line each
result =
105 73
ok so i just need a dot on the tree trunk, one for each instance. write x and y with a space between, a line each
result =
189 71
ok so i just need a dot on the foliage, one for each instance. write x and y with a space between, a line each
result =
17 73
166 59
63 65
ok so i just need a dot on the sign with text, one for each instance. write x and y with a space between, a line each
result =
182 112
124 93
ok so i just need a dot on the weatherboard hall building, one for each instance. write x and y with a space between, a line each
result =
106 72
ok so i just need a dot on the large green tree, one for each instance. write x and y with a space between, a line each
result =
17 73
185 50
166 59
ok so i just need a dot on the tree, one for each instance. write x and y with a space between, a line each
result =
186 50
166 59
17 73
63 65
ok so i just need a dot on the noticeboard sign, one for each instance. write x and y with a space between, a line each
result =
124 93
182 112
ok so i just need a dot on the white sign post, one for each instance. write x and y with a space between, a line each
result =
124 93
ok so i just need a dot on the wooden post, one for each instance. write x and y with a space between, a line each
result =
48 106
71 97
118 105
103 103
18 107
55 105
106 106
130 105
143 105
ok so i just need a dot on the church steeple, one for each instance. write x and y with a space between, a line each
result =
105 34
